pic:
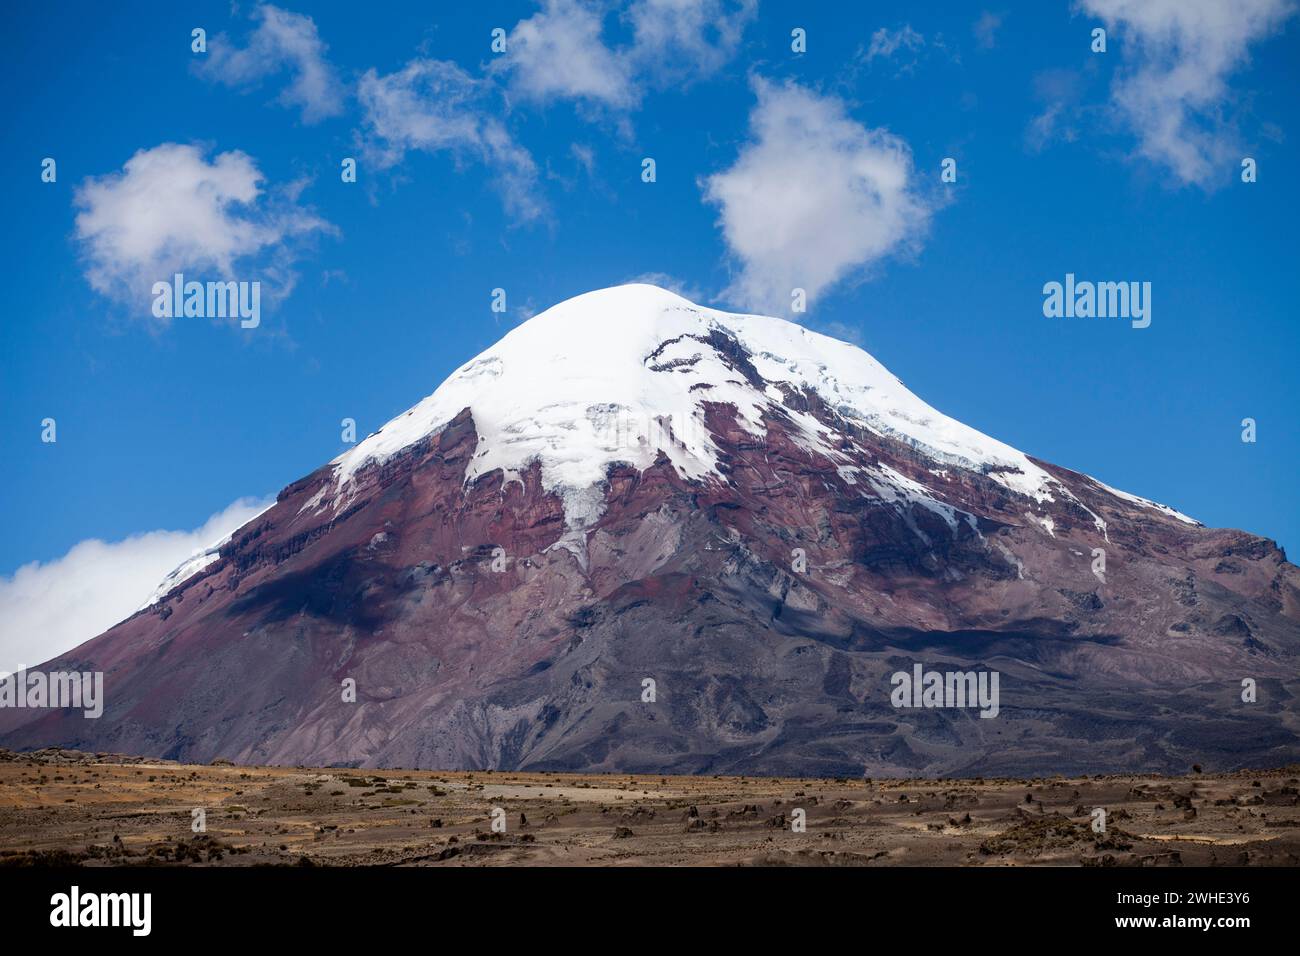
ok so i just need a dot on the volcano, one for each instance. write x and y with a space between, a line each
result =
641 535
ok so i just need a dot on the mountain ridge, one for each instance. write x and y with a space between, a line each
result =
765 536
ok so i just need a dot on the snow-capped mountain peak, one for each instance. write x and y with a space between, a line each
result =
627 373
799 520
624 374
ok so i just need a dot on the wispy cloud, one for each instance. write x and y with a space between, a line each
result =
681 41
1173 92
48 609
281 42
986 29
813 198
435 106
1063 115
902 50
885 42
558 53
585 155
561 53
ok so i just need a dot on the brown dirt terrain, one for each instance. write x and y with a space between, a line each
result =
66 807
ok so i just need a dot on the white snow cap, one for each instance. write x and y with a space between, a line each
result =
197 561
621 374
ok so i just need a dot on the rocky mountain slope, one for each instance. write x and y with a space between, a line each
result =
758 519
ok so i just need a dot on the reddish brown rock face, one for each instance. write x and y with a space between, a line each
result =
770 611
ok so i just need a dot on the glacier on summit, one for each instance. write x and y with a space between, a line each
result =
622 374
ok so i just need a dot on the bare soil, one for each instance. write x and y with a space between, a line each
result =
65 807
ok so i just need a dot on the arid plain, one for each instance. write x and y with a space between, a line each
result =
60 807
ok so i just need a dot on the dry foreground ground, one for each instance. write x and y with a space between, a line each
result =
64 807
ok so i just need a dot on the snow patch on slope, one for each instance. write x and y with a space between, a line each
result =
196 563
1147 503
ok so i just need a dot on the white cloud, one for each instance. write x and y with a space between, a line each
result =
48 609
557 53
813 199
434 106
1180 54
170 210
684 40
560 52
281 41
885 43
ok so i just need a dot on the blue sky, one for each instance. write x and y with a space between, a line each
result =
523 171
